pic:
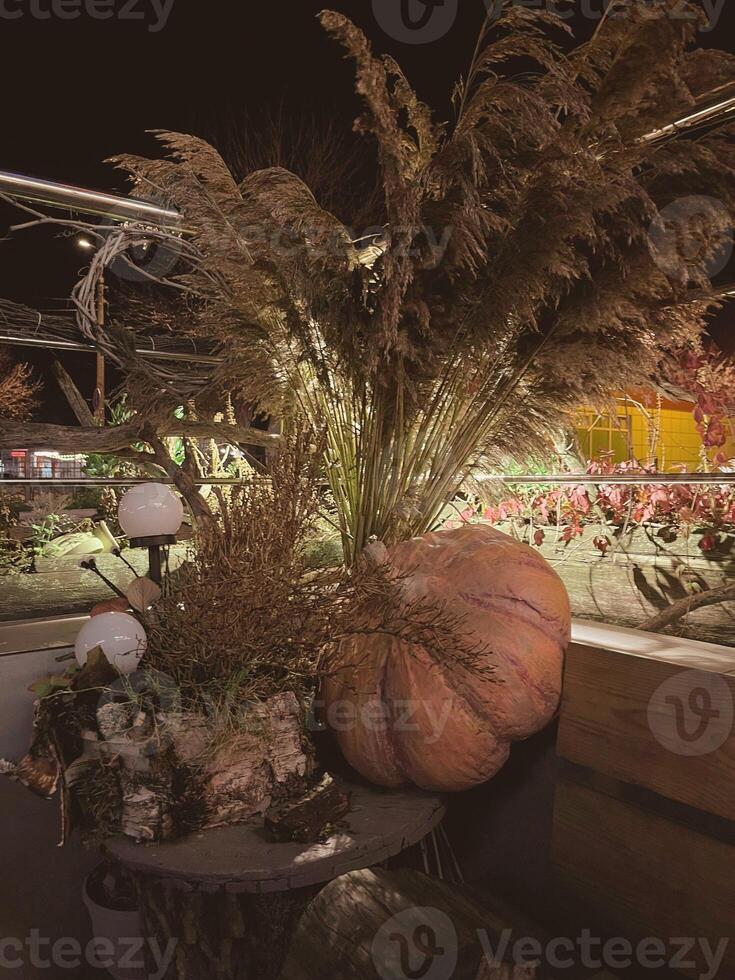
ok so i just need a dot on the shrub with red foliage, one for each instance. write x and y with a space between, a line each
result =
674 509
710 377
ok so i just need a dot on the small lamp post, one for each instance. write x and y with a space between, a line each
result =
151 515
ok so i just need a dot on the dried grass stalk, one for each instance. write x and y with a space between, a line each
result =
248 616
516 280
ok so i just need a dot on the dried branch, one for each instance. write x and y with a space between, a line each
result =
183 482
682 607
249 612
73 439
73 396
520 274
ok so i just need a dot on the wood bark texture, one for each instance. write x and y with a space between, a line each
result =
373 924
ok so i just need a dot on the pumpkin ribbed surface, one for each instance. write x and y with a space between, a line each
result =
400 716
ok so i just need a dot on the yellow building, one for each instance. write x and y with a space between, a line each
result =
649 428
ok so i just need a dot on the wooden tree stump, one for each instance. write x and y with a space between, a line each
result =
392 925
220 935
232 898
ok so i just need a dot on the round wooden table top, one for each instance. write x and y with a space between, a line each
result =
381 823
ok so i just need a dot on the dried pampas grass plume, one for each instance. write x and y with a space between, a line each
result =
515 278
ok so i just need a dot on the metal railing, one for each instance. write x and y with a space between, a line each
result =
558 479
68 197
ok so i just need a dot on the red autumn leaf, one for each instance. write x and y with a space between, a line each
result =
571 531
580 499
660 498
539 538
708 403
602 544
715 436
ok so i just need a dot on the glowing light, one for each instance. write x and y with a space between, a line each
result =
121 637
150 510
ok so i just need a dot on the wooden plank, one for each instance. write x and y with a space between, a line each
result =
66 588
639 543
628 596
636 717
642 577
81 439
619 867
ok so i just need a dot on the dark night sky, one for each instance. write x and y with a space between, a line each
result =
77 91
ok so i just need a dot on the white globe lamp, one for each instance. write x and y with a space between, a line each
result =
151 515
150 510
121 637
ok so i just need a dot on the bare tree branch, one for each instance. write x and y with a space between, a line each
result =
73 395
682 607
182 480
78 439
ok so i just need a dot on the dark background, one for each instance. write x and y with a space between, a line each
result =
77 91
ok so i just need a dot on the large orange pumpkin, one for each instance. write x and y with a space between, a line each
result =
402 717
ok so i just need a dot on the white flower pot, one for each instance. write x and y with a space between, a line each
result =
119 928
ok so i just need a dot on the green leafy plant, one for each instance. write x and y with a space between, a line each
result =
48 686
45 532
